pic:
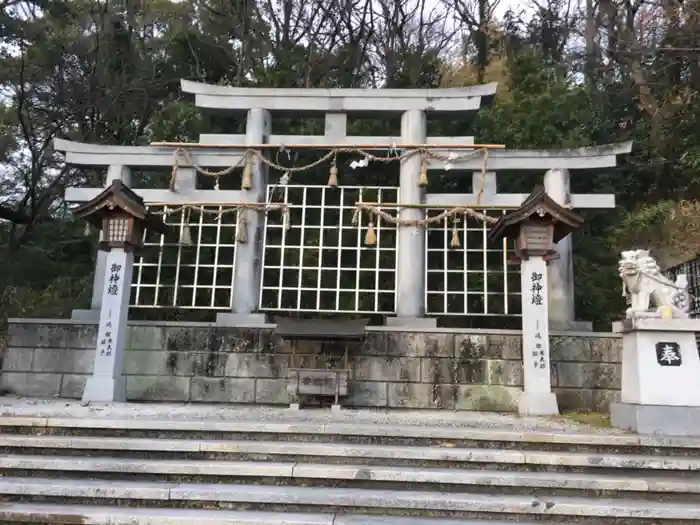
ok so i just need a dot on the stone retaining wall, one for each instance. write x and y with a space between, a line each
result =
450 369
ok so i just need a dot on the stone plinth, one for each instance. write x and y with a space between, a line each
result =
660 370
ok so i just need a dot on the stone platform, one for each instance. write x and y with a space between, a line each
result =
442 368
656 419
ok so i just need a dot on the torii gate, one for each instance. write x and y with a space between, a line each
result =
414 105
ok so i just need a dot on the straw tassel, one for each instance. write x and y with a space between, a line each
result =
286 219
185 234
333 175
454 242
87 231
423 179
173 174
370 236
247 179
242 229
355 217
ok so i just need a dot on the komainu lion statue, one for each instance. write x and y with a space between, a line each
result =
649 288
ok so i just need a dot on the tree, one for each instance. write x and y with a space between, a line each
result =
78 70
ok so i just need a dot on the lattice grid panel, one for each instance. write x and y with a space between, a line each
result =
692 271
474 279
197 277
321 263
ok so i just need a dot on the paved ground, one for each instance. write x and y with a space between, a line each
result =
14 406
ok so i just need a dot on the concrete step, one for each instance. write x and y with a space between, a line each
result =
99 515
354 433
346 500
271 473
338 453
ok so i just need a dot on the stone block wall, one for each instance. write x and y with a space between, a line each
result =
194 362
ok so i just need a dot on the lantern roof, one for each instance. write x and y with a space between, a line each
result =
119 198
539 207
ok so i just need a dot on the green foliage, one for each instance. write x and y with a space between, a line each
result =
84 71
644 226
176 122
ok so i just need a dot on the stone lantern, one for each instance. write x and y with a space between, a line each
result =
535 227
123 218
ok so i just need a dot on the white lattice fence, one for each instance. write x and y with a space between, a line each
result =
474 279
170 275
321 263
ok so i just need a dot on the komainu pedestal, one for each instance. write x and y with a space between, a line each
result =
660 377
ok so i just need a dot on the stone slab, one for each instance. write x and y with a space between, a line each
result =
655 324
17 359
82 488
344 472
85 316
73 386
371 368
248 418
411 322
359 519
144 466
99 443
588 376
99 515
368 394
411 431
157 388
272 391
574 481
574 326
656 419
31 384
349 451
64 360
493 478
241 320
222 390
435 501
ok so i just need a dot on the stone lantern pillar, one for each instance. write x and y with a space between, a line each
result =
535 227
123 219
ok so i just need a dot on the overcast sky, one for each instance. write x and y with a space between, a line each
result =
504 5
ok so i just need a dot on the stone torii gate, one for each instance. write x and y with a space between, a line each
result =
414 106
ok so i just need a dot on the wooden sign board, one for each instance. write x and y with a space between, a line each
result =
317 382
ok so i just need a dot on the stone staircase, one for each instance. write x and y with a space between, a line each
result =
338 471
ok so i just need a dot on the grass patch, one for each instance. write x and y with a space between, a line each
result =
594 419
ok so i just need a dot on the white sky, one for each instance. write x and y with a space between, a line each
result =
515 5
